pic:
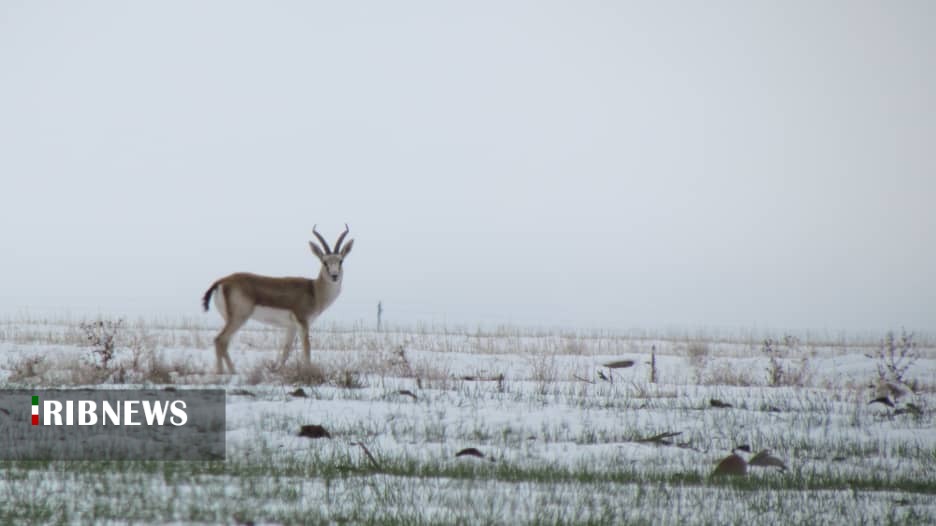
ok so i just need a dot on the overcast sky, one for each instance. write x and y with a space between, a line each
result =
580 164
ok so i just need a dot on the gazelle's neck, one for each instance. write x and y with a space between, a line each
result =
326 289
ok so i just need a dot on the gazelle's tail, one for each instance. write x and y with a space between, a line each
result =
207 297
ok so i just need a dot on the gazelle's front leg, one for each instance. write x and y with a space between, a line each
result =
306 344
288 344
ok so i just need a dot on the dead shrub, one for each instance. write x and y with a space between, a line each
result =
77 372
261 372
726 374
101 336
896 356
545 372
158 370
781 374
432 376
573 345
698 353
28 369
299 372
399 362
133 362
348 379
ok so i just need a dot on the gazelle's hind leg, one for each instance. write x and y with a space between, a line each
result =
236 315
221 344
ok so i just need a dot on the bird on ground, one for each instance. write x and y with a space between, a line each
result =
737 463
889 392
765 459
734 464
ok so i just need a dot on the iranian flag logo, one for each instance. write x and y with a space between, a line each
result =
35 410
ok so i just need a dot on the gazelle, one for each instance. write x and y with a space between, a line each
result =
293 303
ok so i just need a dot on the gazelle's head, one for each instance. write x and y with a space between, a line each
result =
331 260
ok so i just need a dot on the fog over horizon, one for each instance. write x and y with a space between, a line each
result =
729 165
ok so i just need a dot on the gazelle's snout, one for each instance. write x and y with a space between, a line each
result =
333 270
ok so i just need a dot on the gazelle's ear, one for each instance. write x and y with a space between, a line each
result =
316 250
347 248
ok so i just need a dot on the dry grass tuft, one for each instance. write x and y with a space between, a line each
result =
300 373
728 374
28 370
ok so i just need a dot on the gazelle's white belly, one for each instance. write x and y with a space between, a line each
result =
271 316
267 315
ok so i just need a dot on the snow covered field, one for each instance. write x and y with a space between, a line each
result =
564 438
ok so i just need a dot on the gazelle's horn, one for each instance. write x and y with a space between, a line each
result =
340 239
321 240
